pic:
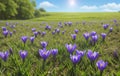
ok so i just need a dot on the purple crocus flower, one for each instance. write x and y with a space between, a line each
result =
12 26
44 44
5 33
81 53
43 33
46 27
92 55
60 23
105 26
35 33
84 22
115 54
69 23
10 33
76 31
4 55
70 48
49 27
111 29
39 32
75 58
63 32
115 21
44 53
73 36
65 23
32 39
23 54
61 26
7 23
11 51
14 31
4 28
53 32
24 39
101 65
33 29
103 36
93 33
57 30
86 35
54 52
95 38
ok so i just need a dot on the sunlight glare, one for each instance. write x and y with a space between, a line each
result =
72 3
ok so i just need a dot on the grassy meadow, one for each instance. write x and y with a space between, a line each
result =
61 65
76 16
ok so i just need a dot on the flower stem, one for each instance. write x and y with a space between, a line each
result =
0 65
54 60
43 65
74 70
101 72
24 46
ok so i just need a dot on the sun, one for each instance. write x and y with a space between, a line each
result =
72 3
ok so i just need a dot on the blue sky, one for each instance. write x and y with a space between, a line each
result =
79 5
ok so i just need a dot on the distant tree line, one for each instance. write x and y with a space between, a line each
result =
38 12
19 9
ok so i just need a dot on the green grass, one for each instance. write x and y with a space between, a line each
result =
63 65
55 16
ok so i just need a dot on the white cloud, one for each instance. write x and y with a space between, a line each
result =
109 10
110 6
46 4
85 7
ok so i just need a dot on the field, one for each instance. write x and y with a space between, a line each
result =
62 25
